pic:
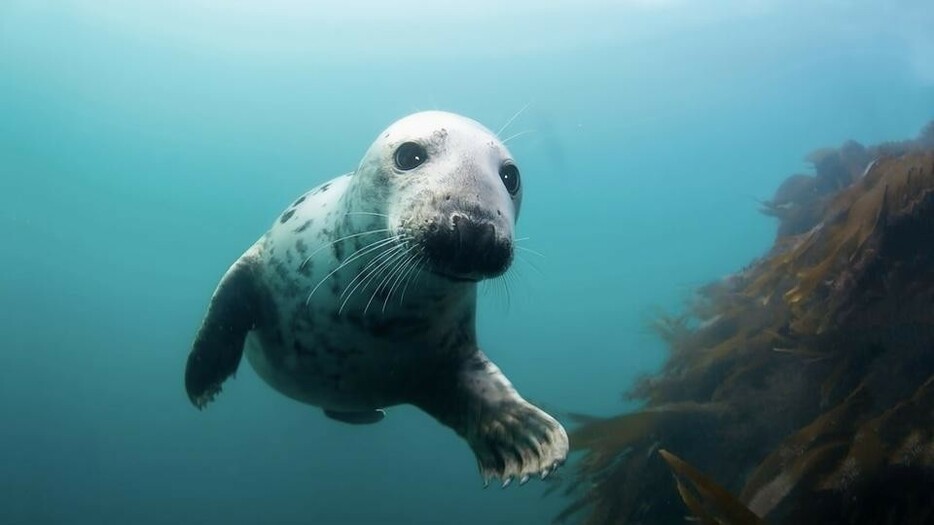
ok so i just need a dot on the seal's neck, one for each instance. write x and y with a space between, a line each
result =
448 311
366 192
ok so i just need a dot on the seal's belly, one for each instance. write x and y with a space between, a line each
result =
335 370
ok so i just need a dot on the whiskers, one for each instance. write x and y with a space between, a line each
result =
332 243
388 265
512 118
509 122
370 213
517 135
522 251
375 267
501 288
361 252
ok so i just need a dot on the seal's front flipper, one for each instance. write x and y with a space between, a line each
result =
357 418
218 346
511 438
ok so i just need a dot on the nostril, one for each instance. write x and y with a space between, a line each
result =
488 234
459 222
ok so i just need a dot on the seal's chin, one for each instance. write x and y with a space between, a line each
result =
472 278
457 278
467 251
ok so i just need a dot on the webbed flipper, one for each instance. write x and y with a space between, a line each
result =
218 347
511 438
357 418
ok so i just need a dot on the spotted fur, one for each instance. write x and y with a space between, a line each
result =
310 336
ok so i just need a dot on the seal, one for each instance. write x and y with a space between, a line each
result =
362 295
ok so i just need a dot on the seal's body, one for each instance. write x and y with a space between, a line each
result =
362 295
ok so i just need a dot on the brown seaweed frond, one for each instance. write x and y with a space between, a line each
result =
673 330
708 501
893 437
803 453
616 433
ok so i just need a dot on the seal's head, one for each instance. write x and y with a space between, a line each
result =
449 186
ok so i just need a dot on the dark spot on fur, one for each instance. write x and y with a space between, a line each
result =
302 321
299 201
281 270
301 247
323 188
306 268
339 251
292 289
304 226
476 365
460 339
286 216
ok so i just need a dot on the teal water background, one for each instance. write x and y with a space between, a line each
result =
145 145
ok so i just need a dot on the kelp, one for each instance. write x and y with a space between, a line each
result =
802 384
803 453
708 501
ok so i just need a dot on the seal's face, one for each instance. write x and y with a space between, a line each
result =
453 190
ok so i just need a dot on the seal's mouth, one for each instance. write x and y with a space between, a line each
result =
466 249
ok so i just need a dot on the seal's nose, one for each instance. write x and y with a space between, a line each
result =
469 247
473 233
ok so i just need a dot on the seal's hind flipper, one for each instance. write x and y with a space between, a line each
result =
357 418
218 346
511 438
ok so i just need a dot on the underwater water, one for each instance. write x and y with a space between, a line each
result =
145 145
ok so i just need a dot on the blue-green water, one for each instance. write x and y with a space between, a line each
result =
145 145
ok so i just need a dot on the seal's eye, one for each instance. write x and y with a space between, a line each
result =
510 175
410 155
